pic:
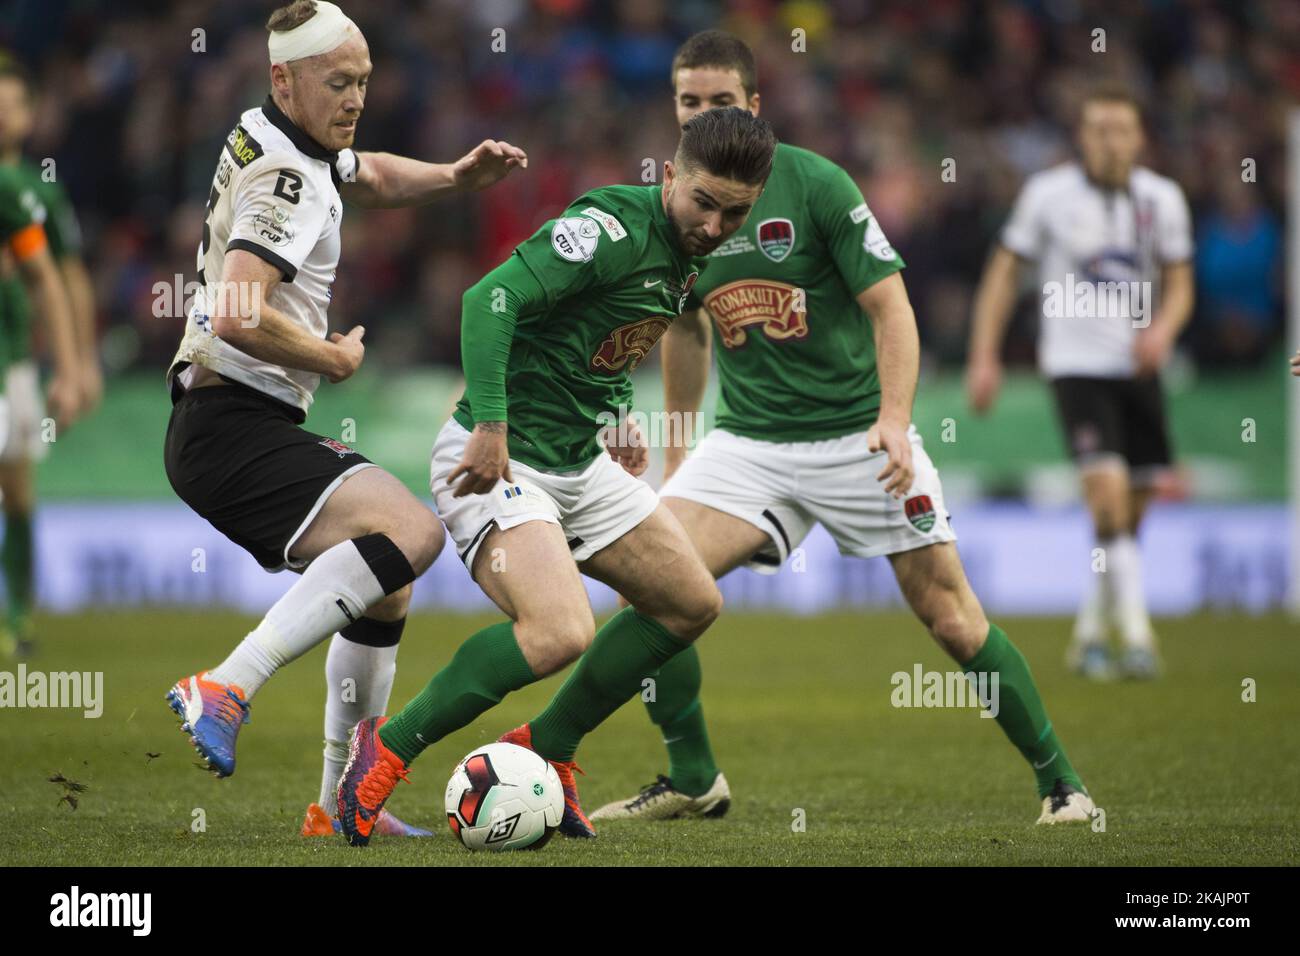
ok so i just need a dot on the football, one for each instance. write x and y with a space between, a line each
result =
504 797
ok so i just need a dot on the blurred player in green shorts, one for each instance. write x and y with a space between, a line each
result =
817 355
24 444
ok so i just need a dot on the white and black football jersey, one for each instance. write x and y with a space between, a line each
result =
1090 241
276 195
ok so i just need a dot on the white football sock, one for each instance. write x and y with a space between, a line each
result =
1124 566
334 591
358 679
1090 623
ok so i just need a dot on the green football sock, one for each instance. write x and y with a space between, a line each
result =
16 560
486 667
1021 713
677 710
627 650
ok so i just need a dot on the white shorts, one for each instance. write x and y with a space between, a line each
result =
594 507
22 441
784 488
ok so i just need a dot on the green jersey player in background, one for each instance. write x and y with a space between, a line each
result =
523 483
23 443
817 354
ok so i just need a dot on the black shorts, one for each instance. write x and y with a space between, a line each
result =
239 458
1115 416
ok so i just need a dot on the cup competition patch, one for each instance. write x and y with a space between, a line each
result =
575 238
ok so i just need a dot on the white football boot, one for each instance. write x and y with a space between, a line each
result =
1065 804
659 801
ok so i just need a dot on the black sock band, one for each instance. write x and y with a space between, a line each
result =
386 561
374 633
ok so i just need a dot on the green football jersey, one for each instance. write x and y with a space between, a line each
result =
19 208
614 280
49 201
795 352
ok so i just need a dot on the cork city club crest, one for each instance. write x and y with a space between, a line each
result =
776 238
920 511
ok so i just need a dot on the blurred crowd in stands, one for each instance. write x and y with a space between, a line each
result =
134 105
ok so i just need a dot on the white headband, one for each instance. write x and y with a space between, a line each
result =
329 28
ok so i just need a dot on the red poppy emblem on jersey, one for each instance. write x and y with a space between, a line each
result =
682 291
776 238
337 447
690 284
920 511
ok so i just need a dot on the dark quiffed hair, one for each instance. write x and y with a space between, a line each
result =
1111 91
12 69
720 50
291 15
728 142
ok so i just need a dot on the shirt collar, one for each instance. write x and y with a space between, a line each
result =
305 143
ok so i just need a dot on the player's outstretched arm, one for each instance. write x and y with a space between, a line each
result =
687 353
994 300
898 363
384 181
243 318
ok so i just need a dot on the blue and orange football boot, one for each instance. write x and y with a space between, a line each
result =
369 779
574 823
211 713
319 823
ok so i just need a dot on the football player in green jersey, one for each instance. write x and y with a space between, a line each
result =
24 442
526 488
817 355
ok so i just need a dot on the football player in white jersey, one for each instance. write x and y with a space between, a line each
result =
255 346
1113 245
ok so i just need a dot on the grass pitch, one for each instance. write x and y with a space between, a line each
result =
799 708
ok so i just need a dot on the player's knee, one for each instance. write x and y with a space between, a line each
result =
393 607
419 535
696 609
552 640
1108 523
1110 515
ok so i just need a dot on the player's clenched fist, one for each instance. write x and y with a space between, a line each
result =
627 445
486 460
1295 364
348 353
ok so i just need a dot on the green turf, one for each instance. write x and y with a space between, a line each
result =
801 720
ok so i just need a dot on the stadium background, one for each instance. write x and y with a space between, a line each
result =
134 105
799 708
